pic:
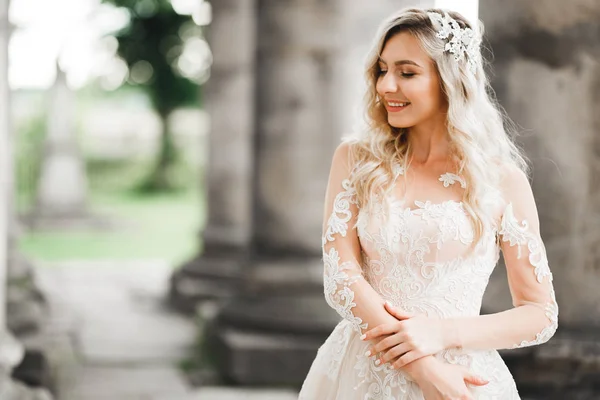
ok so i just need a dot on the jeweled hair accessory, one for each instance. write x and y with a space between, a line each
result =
464 43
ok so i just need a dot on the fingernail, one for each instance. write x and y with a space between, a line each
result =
377 362
388 303
368 353
363 336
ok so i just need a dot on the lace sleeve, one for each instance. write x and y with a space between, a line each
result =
529 275
534 317
345 288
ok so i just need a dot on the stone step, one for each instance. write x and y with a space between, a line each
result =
222 393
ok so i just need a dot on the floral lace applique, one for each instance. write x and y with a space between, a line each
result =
519 234
449 179
338 277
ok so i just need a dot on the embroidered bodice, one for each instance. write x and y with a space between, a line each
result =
419 255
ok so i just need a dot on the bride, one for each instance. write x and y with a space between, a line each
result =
417 210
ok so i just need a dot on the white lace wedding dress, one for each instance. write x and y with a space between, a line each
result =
414 253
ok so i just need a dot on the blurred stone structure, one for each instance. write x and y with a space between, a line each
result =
284 87
61 198
547 76
217 272
284 82
19 300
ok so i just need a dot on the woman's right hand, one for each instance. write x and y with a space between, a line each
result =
442 381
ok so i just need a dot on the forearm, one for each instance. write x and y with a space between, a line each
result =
521 326
369 308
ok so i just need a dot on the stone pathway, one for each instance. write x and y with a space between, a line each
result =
112 338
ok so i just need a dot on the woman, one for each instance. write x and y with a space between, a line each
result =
417 210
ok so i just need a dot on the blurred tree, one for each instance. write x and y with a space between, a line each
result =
151 45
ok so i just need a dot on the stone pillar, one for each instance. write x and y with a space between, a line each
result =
216 272
11 351
547 76
62 189
270 333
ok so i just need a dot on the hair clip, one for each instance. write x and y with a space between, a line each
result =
464 43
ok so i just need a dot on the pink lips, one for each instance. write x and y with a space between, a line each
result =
394 108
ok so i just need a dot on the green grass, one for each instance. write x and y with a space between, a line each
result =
163 226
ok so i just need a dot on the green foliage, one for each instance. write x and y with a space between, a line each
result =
153 36
28 150
124 175
160 226
151 43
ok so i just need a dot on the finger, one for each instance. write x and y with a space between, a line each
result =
381 330
407 359
475 380
387 343
395 352
396 312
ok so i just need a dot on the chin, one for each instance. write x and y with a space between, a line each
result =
400 123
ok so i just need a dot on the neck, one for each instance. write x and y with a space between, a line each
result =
429 142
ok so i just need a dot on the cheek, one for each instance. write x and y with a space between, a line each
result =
424 92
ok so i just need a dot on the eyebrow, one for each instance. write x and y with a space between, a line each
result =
400 62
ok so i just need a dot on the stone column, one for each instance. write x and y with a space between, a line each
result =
216 272
11 351
547 76
270 333
62 189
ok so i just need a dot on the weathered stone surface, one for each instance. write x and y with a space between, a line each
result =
281 318
12 390
63 185
124 320
125 382
12 351
11 354
296 137
548 81
110 335
25 310
216 272
220 393
262 357
547 77
294 143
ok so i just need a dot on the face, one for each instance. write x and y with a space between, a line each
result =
408 83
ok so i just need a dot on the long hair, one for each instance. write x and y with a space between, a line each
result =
479 132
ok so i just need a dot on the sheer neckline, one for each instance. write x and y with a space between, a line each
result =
420 205
447 178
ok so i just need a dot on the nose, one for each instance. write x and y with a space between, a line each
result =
388 84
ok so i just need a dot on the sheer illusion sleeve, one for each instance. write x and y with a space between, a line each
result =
527 267
534 318
345 288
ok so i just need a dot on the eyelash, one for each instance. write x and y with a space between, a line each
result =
404 75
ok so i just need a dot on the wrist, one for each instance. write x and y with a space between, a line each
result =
418 369
451 331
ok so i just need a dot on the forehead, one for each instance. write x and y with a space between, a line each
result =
404 46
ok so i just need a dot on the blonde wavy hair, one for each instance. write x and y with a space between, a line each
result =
479 131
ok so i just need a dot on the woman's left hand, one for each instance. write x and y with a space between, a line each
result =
408 339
